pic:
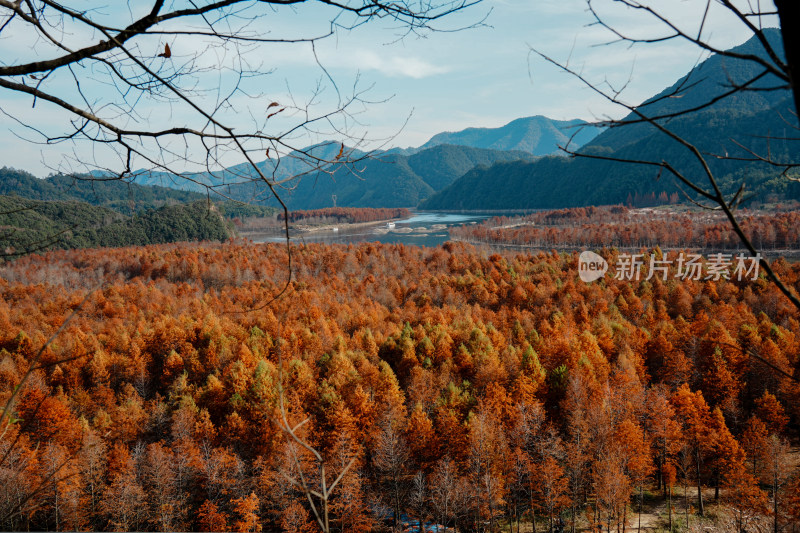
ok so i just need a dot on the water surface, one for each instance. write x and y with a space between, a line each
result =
423 228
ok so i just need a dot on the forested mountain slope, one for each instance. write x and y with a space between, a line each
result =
738 126
384 180
119 195
33 225
537 135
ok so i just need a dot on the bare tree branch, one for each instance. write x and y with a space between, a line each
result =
711 191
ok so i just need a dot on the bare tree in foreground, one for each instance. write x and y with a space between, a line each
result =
164 85
183 89
776 70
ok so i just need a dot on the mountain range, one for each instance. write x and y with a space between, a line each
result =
510 167
738 126
513 167
384 179
536 135
392 178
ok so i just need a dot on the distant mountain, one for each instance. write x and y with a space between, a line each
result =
441 165
383 180
737 126
536 135
476 168
388 180
298 163
393 178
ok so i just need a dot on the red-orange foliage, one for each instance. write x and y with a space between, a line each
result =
422 364
588 227
210 518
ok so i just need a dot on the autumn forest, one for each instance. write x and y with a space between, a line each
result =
467 389
624 227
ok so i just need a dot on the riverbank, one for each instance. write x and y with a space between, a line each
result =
296 229
344 226
423 228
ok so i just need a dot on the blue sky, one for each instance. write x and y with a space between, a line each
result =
423 85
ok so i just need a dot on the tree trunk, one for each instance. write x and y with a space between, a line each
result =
641 504
686 504
55 506
596 511
491 515
91 498
659 485
775 503
624 517
396 511
572 526
789 15
670 508
700 508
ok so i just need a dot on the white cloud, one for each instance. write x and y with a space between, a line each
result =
477 77
390 65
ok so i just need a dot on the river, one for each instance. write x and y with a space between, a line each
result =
423 228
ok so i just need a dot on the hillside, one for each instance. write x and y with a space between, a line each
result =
536 135
239 176
395 180
385 180
118 195
744 119
32 225
392 178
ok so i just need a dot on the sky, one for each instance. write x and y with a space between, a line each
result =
419 85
